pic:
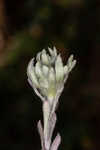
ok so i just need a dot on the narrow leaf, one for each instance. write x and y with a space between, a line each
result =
56 142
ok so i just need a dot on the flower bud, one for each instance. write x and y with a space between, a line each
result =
31 73
52 85
38 69
48 75
45 70
44 58
59 69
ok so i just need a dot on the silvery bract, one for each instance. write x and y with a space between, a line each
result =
47 77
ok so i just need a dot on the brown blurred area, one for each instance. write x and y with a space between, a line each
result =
28 26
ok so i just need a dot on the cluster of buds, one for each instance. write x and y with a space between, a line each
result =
47 77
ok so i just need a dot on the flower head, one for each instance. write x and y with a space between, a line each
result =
48 75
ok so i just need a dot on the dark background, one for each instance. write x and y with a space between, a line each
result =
28 26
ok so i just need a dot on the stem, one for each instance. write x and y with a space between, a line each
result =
49 125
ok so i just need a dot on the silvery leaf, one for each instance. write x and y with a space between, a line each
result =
45 70
40 130
51 77
44 58
52 86
38 56
65 69
43 82
59 69
56 142
70 59
72 65
38 69
31 73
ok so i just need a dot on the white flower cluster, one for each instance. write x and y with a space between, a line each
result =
47 77
49 74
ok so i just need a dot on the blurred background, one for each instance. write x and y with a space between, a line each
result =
28 26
